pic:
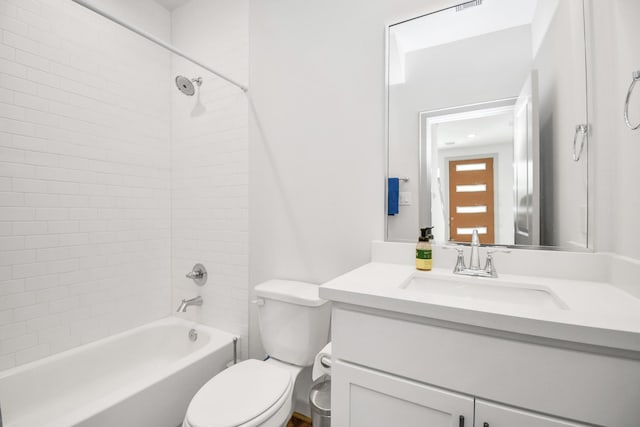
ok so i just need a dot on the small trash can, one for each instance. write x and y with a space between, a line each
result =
320 402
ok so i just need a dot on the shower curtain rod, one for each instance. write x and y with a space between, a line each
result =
158 42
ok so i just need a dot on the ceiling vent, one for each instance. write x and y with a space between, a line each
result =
468 5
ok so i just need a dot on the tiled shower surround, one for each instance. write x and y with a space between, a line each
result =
209 191
86 179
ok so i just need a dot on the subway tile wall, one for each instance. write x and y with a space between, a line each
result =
84 179
210 165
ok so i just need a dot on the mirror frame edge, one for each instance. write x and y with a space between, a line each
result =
587 17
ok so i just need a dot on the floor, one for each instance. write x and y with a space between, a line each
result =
299 420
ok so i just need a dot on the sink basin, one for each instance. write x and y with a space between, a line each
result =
481 289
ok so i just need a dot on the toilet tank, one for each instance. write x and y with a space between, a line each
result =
294 321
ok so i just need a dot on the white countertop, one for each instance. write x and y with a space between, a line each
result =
596 313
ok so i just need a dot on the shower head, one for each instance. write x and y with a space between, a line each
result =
185 85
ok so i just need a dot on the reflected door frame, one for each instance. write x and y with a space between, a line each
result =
428 150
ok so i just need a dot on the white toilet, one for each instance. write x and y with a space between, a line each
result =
294 325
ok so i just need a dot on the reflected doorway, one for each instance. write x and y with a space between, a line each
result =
459 138
471 199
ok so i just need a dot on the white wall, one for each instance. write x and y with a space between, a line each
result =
316 158
317 82
615 148
210 165
485 68
84 176
316 134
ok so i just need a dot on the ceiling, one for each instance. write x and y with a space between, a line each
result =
171 4
497 129
448 25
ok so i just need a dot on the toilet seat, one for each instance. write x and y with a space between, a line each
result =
244 395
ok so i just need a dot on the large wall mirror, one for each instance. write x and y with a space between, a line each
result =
487 124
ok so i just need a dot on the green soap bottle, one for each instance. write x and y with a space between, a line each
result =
423 250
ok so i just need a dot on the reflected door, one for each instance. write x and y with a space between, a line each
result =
526 164
471 200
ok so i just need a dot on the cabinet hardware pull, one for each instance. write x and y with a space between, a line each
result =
485 425
461 421
636 78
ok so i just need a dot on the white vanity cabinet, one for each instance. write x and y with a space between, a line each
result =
489 414
366 398
393 369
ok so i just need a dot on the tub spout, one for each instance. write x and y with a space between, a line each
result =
187 302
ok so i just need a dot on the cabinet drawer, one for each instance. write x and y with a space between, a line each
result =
493 415
364 398
588 387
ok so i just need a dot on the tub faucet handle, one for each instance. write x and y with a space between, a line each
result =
194 274
198 274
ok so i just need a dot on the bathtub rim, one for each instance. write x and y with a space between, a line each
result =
117 396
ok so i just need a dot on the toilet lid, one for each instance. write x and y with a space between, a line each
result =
238 394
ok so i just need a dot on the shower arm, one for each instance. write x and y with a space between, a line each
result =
157 41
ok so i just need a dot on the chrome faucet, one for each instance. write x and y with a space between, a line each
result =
474 269
188 302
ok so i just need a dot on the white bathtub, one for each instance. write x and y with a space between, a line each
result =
142 377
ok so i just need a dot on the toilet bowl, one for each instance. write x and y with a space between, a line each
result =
294 326
251 393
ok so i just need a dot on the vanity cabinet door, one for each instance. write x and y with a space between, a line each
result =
365 398
494 415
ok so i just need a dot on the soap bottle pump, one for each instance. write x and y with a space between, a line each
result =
423 250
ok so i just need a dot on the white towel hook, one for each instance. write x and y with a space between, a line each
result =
636 76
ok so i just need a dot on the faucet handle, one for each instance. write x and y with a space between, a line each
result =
460 264
490 266
198 274
194 274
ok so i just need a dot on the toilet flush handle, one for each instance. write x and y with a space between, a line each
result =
258 301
